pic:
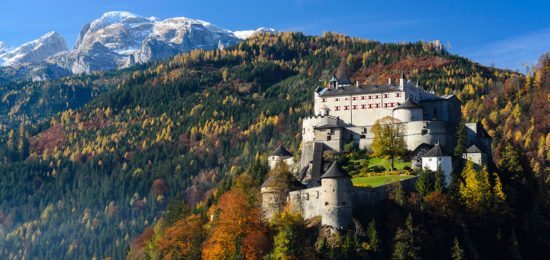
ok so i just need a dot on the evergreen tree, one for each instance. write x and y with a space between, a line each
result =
457 253
425 182
439 181
374 240
405 246
461 139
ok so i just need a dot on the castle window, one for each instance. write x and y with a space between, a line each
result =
307 196
362 97
317 195
328 138
333 190
345 98
337 108
424 131
354 106
370 97
346 107
354 98
377 105
386 105
370 106
398 94
385 95
376 97
363 106
362 136
326 203
343 203
336 99
324 100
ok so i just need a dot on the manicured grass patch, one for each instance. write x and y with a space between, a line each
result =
386 163
375 181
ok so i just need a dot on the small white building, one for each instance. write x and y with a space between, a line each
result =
475 155
280 154
435 159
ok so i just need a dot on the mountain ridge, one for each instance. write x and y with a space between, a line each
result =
120 39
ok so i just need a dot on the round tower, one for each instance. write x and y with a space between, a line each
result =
336 194
275 190
408 111
280 154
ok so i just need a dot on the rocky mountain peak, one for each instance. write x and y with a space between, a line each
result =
35 51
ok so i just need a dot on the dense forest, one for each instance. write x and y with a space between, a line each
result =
162 160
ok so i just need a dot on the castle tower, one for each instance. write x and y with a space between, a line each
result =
280 154
408 111
333 82
336 189
275 190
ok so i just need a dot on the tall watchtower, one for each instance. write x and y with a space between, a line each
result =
336 194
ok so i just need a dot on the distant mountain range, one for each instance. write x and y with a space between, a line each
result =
113 41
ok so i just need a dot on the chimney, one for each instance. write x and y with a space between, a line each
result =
357 83
389 81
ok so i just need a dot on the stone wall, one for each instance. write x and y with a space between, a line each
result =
311 202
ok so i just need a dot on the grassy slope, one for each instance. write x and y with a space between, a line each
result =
375 181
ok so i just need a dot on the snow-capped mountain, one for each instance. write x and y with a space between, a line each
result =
243 35
119 40
122 39
33 52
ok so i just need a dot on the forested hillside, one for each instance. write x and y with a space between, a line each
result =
169 140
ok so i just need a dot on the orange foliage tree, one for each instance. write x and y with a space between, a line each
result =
238 230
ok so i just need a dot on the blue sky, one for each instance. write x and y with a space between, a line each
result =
505 33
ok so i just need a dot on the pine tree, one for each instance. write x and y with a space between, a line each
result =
425 183
374 240
457 253
461 139
439 181
405 246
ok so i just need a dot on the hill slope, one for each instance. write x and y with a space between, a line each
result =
90 179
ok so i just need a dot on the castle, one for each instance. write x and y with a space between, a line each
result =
346 112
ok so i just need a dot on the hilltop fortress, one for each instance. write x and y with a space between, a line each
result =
345 112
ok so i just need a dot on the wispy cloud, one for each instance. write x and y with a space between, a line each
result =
514 53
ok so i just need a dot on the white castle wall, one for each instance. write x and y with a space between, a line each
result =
360 110
415 133
407 115
311 202
306 202
309 123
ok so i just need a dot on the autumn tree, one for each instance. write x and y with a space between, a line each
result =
475 191
183 239
388 139
288 242
238 231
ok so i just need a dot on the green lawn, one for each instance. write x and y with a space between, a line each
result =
386 163
375 181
